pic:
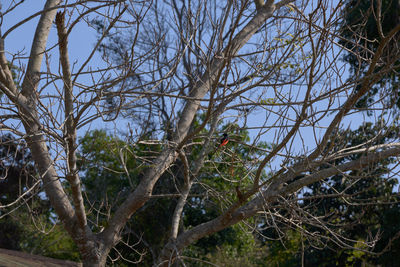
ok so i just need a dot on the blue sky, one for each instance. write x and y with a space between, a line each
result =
80 44
20 38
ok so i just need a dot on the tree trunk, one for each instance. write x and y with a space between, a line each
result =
91 262
94 258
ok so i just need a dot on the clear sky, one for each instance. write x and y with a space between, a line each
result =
81 41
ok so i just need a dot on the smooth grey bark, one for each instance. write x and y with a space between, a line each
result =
142 193
95 248
166 256
275 188
30 120
70 124
27 104
270 194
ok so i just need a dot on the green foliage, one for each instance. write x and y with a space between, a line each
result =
29 228
100 158
10 234
112 169
107 182
16 168
238 248
351 216
226 170
17 174
360 20
42 237
355 221
285 250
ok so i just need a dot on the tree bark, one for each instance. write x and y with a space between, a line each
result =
27 104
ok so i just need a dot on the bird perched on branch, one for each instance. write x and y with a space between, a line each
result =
224 140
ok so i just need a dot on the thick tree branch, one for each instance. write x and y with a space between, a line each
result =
218 62
271 194
142 193
176 217
70 125
369 79
27 106
5 74
361 163
31 79
35 138
189 178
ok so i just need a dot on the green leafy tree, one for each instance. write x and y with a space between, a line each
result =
106 160
352 214
17 175
41 236
365 24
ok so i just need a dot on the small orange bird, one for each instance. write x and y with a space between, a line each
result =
224 140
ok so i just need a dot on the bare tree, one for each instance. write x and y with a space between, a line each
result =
272 68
